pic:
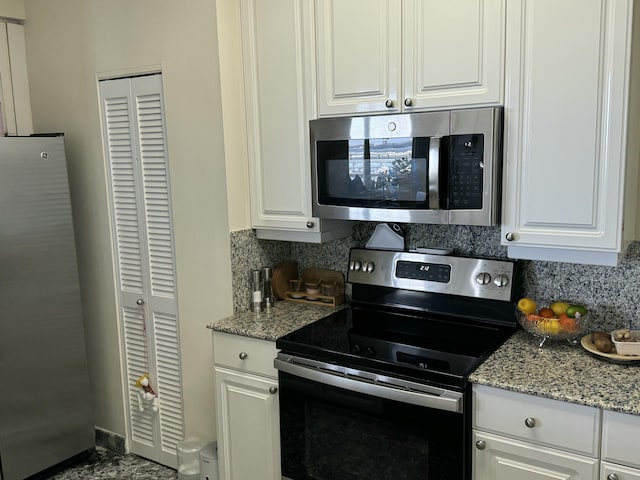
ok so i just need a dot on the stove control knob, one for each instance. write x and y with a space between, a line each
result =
501 280
352 265
371 352
356 348
357 265
483 278
369 267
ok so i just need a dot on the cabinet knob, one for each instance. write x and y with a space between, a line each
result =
510 236
273 390
408 102
243 355
481 445
139 301
310 224
389 103
612 476
530 422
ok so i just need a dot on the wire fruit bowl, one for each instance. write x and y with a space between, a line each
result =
545 328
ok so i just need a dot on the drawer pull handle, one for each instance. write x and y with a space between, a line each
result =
481 445
530 422
273 390
243 355
612 476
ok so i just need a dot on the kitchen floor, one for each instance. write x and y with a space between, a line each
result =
108 464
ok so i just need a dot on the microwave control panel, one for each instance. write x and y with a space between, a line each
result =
465 171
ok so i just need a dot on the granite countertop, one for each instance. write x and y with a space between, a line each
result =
562 372
285 318
557 370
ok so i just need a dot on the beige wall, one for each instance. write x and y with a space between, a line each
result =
70 43
12 9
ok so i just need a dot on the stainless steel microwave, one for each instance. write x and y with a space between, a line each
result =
434 167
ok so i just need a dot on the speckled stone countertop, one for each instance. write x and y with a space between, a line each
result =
285 318
562 372
557 370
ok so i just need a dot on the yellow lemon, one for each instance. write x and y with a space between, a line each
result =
559 307
527 305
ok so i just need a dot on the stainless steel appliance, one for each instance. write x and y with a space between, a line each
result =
434 167
380 390
45 405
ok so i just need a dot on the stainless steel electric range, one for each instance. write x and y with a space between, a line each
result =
380 390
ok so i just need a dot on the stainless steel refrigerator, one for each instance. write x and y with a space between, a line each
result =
45 408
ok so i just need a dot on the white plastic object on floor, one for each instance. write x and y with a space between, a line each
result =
209 461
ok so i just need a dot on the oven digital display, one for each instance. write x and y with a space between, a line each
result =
431 272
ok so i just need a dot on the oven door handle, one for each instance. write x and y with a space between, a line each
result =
439 399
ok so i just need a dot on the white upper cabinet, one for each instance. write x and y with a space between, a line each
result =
384 56
15 101
279 86
359 56
571 118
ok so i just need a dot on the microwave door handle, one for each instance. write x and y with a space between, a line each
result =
434 173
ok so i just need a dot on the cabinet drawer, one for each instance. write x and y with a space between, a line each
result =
536 419
618 472
620 434
244 353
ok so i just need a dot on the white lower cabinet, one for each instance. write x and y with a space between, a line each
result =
611 471
525 437
247 408
620 447
497 457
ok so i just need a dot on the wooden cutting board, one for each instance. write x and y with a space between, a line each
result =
282 273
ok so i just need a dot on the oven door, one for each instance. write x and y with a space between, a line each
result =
339 423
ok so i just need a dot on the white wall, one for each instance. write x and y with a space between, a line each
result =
70 43
12 9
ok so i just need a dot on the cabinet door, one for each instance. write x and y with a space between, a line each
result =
500 458
565 111
619 438
452 53
248 426
359 55
277 64
611 471
15 102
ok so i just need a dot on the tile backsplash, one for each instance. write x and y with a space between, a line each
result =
610 292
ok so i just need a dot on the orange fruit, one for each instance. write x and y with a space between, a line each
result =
546 313
568 325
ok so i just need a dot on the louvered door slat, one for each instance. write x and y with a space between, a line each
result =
156 193
136 355
119 142
141 209
169 384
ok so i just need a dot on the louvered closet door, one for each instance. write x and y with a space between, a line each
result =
141 219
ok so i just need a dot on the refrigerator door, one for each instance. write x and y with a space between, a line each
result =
45 407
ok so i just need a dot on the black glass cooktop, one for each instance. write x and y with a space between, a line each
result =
441 351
